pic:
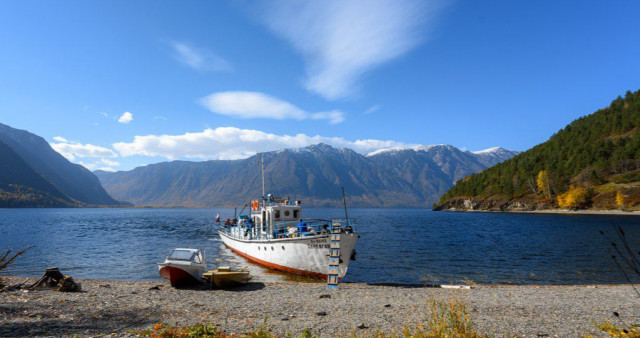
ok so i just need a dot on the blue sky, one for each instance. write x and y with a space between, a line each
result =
120 84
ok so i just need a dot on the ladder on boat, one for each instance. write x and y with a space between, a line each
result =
334 256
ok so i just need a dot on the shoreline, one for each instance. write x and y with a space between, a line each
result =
554 212
107 306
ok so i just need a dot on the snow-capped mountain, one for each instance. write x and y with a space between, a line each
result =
495 155
401 177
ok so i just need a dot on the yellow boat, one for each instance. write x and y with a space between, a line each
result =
225 277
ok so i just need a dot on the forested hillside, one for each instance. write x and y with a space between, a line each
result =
593 162
71 179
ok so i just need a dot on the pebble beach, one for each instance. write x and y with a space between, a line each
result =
120 307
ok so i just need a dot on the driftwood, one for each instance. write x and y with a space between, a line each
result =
68 285
13 286
53 277
5 260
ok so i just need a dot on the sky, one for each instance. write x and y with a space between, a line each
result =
114 85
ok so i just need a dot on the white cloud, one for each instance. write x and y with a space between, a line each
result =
95 166
159 117
234 143
199 58
249 105
110 162
60 139
372 109
104 114
126 118
343 39
72 150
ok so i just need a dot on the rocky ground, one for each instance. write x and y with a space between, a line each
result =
106 307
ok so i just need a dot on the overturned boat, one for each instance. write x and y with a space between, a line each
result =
183 267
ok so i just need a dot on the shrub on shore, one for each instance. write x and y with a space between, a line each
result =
444 319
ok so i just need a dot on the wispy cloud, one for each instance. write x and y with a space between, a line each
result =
60 139
200 59
127 117
248 105
99 165
343 39
234 143
372 109
72 150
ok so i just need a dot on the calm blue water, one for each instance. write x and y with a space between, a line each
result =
397 245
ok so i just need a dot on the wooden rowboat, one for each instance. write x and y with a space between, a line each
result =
225 277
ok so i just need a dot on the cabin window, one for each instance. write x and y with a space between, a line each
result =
271 248
283 247
182 255
276 214
296 213
286 213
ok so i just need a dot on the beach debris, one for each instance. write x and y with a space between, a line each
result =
11 287
387 305
321 313
105 286
68 285
325 296
5 261
53 277
154 288
362 326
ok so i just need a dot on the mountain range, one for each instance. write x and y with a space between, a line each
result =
398 177
34 175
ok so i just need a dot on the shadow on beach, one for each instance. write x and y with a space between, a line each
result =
254 286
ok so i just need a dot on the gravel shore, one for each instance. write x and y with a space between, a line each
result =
106 307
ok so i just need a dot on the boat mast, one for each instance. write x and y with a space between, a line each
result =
262 162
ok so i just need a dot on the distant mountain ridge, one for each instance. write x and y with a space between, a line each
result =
399 177
39 163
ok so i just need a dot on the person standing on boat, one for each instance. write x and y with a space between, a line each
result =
302 227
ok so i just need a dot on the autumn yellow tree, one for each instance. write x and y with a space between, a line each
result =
620 199
543 183
575 197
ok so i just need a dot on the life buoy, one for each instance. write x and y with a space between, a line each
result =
254 205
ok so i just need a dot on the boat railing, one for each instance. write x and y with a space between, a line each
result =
309 227
288 229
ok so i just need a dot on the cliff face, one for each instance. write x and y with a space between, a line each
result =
491 204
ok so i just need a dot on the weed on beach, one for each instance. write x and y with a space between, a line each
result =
448 318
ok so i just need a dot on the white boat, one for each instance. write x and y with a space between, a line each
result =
183 267
276 235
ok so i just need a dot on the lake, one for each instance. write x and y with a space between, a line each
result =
396 245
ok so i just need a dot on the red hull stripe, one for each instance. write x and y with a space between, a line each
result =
280 267
177 276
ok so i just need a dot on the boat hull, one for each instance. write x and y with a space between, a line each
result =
178 276
226 279
308 256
